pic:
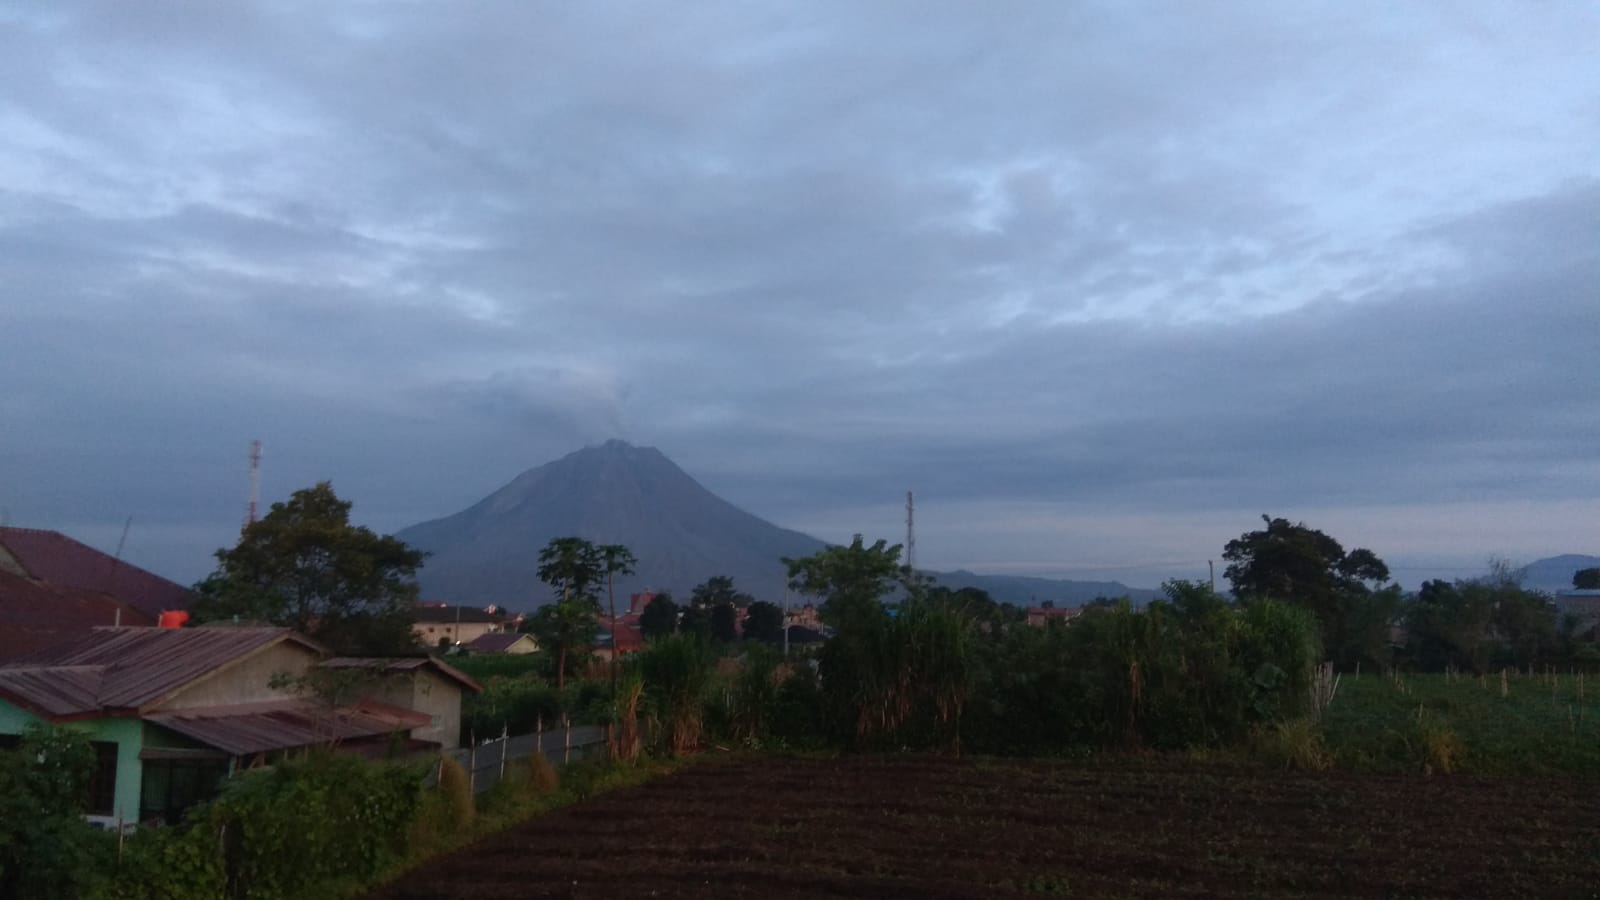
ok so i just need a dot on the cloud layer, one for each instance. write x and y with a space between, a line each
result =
1101 286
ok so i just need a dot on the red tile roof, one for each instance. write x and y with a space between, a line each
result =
137 667
55 559
35 616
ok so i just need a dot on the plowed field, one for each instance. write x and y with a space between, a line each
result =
921 826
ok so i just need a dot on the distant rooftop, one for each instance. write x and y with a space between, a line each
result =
55 559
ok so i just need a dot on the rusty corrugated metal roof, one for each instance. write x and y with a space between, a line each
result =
35 616
54 558
139 666
283 725
53 692
397 665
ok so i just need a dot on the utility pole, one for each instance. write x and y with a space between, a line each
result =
911 532
1211 567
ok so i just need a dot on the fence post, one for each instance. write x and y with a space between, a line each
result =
505 744
566 739
472 769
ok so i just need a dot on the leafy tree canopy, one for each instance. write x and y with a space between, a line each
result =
724 623
304 566
763 621
1586 579
574 569
659 617
851 580
719 589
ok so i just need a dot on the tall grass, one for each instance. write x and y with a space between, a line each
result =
675 672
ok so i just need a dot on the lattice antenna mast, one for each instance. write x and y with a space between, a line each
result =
911 532
255 484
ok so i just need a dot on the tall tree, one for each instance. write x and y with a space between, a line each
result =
852 580
719 589
1306 567
763 621
614 560
304 566
572 567
724 623
1586 579
659 617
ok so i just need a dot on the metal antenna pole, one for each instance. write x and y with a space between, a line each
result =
911 532
255 484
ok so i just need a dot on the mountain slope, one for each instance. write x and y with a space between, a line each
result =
680 532
1554 573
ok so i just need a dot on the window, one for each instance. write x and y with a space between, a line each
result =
171 786
103 781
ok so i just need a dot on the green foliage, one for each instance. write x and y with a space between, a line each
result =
659 617
1293 744
304 566
1586 579
1545 725
1192 673
516 705
754 694
901 680
716 590
763 621
852 580
455 786
676 671
574 568
168 864
47 850
484 666
1308 568
724 623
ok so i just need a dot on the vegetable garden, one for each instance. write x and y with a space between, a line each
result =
937 826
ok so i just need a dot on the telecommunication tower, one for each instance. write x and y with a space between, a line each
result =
255 484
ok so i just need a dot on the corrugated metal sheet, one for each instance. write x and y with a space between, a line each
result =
55 691
262 727
56 559
402 665
36 616
142 665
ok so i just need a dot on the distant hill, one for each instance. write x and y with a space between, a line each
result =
1028 591
1554 573
681 533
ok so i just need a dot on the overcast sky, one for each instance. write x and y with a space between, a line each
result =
1101 283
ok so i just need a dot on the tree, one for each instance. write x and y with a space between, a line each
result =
1305 567
1586 579
304 566
724 623
851 580
659 617
47 849
695 621
719 589
614 560
763 621
573 567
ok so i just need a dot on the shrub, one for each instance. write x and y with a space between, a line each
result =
1293 744
455 786
1441 749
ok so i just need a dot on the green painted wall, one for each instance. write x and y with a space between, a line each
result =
127 734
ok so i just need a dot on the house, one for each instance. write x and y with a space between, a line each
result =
1584 605
503 642
440 624
54 589
171 712
422 684
1039 616
35 616
630 639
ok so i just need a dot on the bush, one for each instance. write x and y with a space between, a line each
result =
1293 744
455 786
47 850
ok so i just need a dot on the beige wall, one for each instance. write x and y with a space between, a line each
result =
429 633
426 693
246 681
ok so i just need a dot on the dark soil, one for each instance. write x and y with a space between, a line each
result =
936 827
